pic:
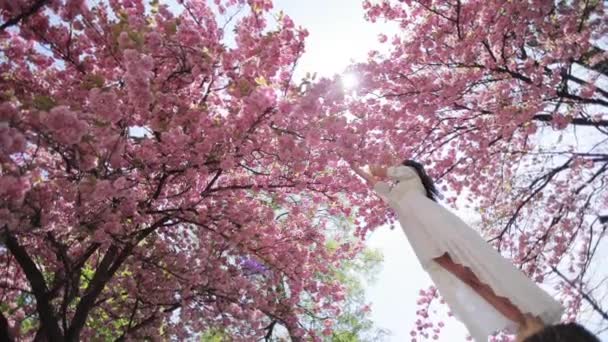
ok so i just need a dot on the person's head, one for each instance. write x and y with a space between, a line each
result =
566 332
429 186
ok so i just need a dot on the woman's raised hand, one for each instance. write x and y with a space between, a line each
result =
378 170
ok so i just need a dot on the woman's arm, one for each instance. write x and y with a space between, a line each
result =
371 180
378 170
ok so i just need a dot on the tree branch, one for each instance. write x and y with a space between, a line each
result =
111 262
599 66
24 15
100 278
270 328
574 121
589 300
148 320
5 334
34 276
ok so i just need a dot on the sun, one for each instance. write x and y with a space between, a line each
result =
349 81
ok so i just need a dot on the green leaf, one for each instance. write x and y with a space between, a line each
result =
93 81
172 27
214 335
154 6
43 102
28 325
137 37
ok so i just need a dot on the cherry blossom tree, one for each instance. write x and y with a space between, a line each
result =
162 174
506 102
354 323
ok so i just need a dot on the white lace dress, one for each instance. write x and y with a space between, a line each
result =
432 230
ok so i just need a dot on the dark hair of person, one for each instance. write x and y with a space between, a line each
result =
429 186
566 332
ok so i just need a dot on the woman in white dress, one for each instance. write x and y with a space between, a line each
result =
483 290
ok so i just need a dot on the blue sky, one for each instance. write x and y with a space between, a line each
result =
338 33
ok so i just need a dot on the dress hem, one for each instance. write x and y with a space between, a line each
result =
546 315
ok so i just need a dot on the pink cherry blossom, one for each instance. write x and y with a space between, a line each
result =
142 156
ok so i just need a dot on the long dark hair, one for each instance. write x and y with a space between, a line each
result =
569 332
427 181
